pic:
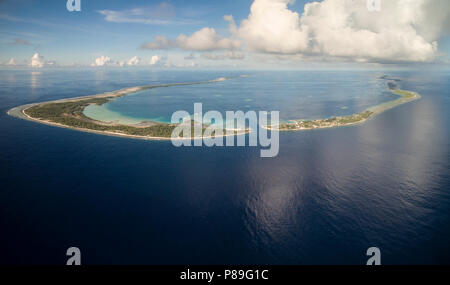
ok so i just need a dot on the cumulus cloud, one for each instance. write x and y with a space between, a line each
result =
205 39
160 42
37 61
10 62
102 61
154 60
394 33
105 61
134 61
272 27
403 30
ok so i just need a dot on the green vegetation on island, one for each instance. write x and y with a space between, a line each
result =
69 113
325 123
293 125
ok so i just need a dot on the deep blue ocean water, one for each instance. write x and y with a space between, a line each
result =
327 197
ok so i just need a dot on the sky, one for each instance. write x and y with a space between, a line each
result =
224 34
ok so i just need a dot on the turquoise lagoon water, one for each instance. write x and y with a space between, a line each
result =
304 95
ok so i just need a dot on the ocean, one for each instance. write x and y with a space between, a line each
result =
326 198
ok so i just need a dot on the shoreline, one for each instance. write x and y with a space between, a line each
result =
405 97
24 116
291 125
20 112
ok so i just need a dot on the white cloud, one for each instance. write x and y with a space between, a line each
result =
391 34
161 14
154 60
232 25
37 61
23 63
134 61
205 39
404 30
160 42
102 61
106 61
272 27
11 62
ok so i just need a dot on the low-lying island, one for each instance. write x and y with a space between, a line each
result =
68 113
333 122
